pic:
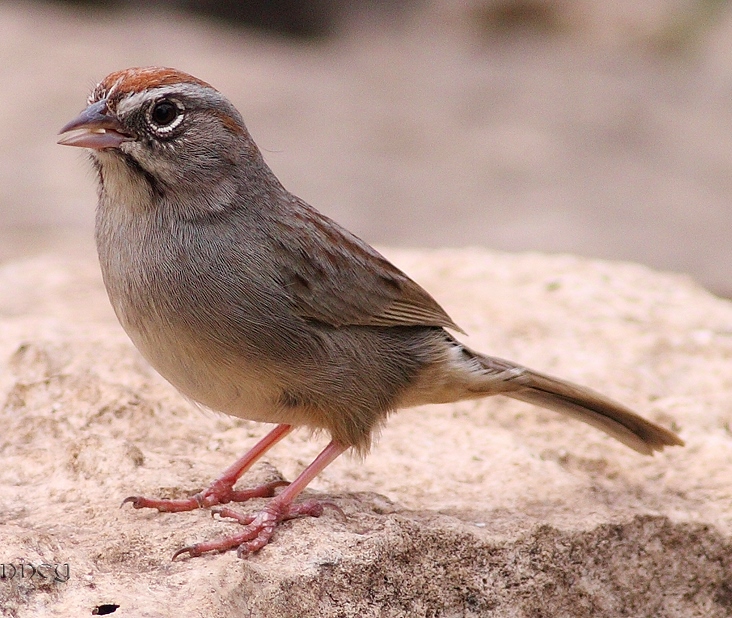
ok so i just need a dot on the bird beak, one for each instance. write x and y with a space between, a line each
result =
94 128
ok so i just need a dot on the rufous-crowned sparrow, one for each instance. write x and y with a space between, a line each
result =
251 302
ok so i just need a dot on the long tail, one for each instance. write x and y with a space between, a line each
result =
576 401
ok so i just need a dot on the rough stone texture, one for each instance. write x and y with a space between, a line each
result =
489 508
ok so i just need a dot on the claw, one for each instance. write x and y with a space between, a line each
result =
337 509
132 499
191 550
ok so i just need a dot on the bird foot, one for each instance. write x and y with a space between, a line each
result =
258 528
219 492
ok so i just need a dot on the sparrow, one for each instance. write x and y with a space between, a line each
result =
250 302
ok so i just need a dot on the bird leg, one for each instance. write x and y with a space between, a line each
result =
260 527
221 491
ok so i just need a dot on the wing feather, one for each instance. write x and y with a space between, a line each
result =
334 277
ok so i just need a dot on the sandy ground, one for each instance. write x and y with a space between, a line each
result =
481 508
594 139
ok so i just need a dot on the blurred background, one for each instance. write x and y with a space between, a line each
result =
584 126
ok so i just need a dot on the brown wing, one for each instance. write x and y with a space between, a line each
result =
341 280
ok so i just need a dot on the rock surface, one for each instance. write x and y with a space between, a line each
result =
488 508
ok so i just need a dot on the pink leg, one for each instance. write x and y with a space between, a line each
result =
221 491
260 527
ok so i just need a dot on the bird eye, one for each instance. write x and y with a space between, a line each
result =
164 113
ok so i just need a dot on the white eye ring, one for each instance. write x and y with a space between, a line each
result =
163 109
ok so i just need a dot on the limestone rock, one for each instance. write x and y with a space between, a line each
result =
488 508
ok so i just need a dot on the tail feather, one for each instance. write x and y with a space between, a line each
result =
581 403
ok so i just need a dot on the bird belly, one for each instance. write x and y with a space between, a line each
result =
234 386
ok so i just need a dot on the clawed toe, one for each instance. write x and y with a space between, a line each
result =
258 528
224 511
163 505
262 491
217 493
